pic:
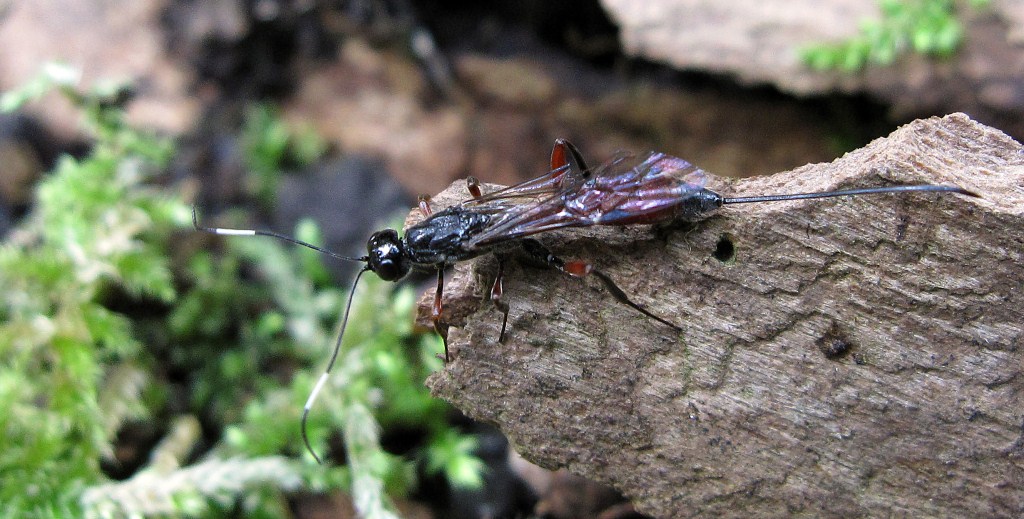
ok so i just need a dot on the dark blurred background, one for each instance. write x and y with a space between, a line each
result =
410 96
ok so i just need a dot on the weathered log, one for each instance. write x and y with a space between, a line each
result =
842 357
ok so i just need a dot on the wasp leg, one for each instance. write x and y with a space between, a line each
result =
496 290
424 202
579 269
435 313
473 185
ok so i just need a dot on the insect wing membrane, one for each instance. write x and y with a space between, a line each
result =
527 218
621 191
550 183
694 177
529 207
627 192
551 212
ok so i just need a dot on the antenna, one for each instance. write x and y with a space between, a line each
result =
330 366
256 232
344 321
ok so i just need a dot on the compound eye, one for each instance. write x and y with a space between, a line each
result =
387 258
388 270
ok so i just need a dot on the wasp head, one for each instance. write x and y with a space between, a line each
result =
387 255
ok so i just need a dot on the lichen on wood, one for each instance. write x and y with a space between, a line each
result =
852 356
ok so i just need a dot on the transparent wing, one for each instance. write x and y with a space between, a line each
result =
544 186
568 172
622 191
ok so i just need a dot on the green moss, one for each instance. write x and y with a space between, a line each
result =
270 146
78 364
95 229
928 27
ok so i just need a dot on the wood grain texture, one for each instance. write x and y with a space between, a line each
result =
853 356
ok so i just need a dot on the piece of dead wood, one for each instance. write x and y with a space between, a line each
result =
854 356
759 41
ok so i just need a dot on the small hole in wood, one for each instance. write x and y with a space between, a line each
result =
725 251
833 344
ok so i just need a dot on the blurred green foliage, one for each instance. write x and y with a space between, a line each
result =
270 146
929 27
116 313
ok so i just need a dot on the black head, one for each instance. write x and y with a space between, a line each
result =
386 255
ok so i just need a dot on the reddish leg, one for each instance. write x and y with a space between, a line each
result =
435 313
579 269
473 185
496 291
565 154
425 206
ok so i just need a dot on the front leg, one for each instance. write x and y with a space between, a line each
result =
435 313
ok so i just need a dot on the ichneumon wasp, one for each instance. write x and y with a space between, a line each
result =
625 190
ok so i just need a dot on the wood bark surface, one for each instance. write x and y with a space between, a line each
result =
851 356
759 41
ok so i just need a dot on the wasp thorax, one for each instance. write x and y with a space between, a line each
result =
387 255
